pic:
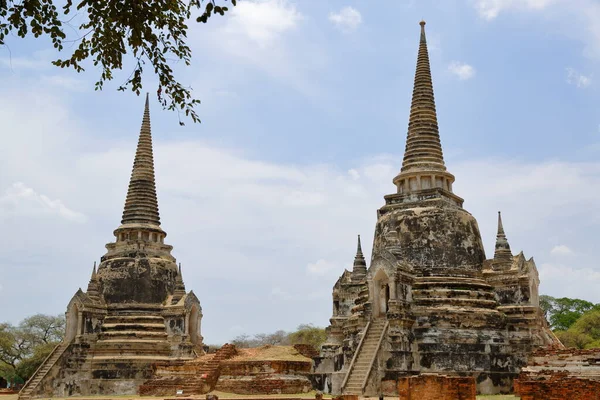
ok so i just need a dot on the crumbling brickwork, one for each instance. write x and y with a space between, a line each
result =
556 373
264 377
436 387
556 386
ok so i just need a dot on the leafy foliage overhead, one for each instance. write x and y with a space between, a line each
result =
153 32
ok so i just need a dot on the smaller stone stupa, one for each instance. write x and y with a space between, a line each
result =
135 312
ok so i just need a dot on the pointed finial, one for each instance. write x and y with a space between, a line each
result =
423 38
359 270
179 268
502 253
359 247
500 227
94 271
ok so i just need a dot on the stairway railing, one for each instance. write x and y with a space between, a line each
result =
362 387
362 339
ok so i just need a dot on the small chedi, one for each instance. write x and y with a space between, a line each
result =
430 301
135 312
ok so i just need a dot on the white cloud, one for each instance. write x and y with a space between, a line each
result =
490 9
20 200
577 19
462 70
561 250
262 22
21 63
578 79
262 36
279 293
322 267
347 19
567 281
354 174
65 82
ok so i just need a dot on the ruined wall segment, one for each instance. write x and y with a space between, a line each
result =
559 373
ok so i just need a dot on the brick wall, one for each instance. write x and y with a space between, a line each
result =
436 387
264 377
560 374
556 386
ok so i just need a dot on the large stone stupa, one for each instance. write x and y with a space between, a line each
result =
429 301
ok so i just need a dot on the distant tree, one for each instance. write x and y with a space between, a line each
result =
308 334
43 329
153 32
278 338
242 341
24 347
584 333
563 312
546 304
588 324
574 339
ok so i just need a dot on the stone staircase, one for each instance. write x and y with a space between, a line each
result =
192 377
131 340
132 336
363 361
42 371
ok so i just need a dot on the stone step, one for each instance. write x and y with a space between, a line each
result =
134 326
129 358
124 335
156 319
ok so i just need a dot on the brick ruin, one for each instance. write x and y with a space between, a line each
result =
430 301
436 387
135 311
233 371
558 373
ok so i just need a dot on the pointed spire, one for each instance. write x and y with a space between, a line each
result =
93 289
423 147
359 270
359 248
502 253
179 287
141 204
179 276
423 165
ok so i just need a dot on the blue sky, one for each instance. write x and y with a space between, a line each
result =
305 108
